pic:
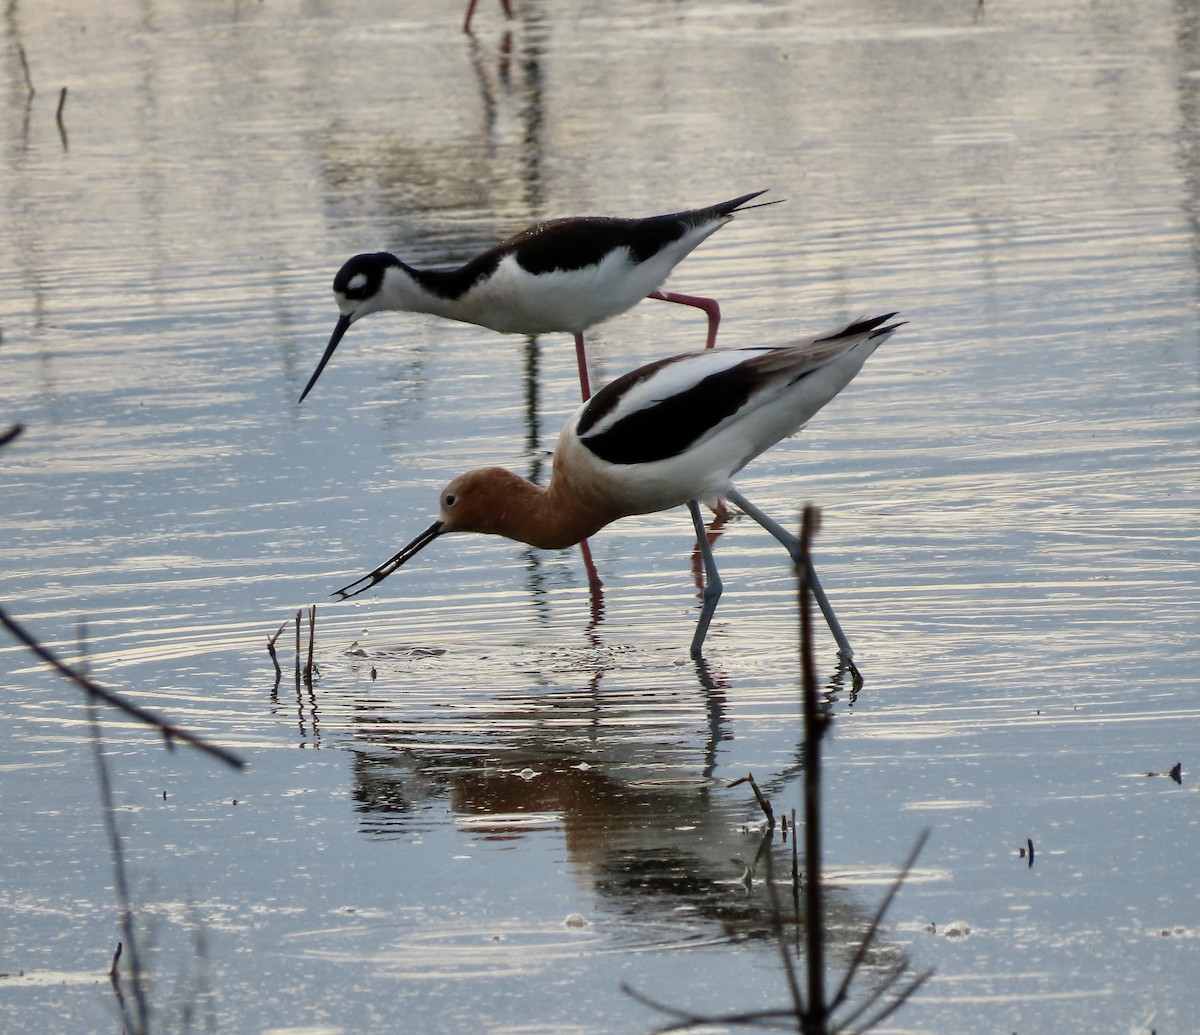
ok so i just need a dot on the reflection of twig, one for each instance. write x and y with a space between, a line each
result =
120 884
810 1012
170 731
861 952
25 69
62 129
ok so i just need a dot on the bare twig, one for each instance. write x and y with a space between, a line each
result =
271 650
312 635
169 730
299 612
762 801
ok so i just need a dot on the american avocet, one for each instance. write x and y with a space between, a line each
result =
564 275
673 432
506 4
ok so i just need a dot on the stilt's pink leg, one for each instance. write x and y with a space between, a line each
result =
506 4
713 309
709 305
595 586
581 359
715 530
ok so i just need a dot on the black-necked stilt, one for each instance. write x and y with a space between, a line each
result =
563 275
673 432
506 4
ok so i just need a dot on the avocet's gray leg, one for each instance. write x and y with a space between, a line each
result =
712 579
792 544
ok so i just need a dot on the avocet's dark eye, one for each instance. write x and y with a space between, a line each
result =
449 500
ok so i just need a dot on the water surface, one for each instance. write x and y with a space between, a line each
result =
1009 493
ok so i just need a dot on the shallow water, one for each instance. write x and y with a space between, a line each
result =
1009 493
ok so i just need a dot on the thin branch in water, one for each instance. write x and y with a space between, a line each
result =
170 731
309 670
271 650
762 801
299 612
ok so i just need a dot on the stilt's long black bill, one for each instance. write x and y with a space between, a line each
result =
342 325
390 565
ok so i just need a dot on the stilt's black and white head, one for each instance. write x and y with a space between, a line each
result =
358 290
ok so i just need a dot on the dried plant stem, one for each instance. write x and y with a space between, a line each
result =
271 650
312 635
299 612
762 801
